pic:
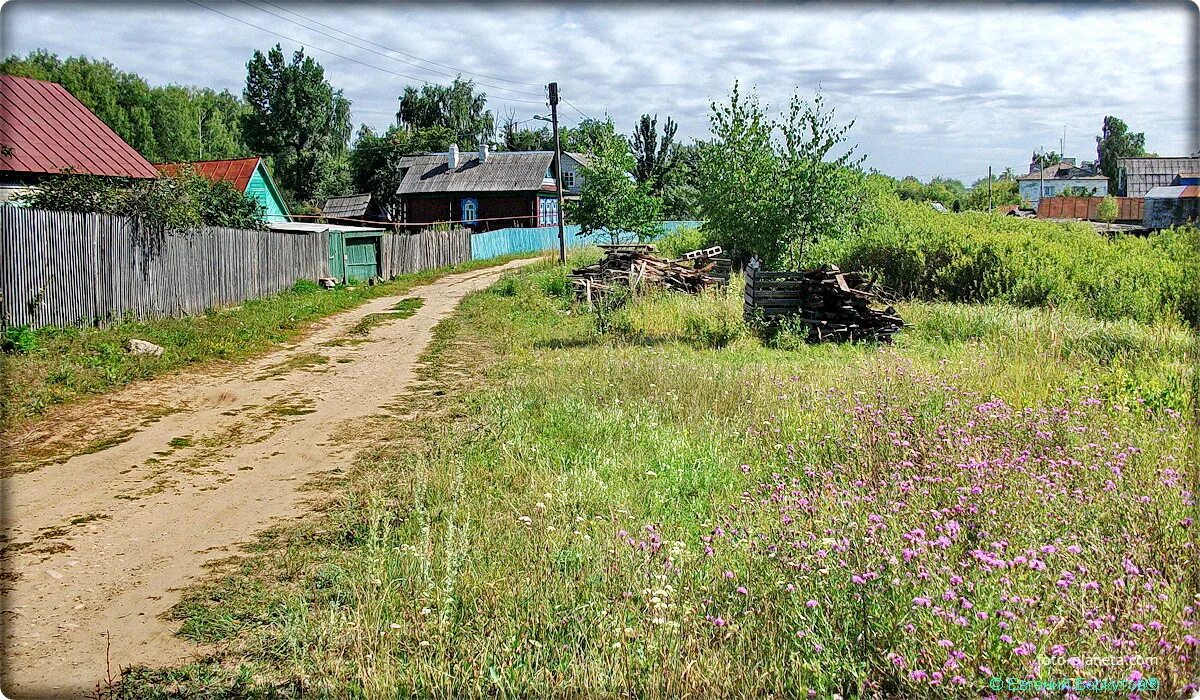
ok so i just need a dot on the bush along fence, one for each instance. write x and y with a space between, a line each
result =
64 269
509 241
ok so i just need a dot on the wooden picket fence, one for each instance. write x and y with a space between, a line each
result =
402 253
65 268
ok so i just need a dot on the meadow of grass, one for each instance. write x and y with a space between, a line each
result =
60 365
674 508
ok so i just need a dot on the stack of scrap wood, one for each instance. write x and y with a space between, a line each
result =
834 305
635 265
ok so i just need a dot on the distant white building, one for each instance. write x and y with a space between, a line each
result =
1053 179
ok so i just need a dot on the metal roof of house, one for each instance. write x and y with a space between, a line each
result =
313 227
49 131
1158 166
1062 171
504 171
1174 192
349 206
1144 174
235 171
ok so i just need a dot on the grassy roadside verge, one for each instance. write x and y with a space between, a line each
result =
67 364
674 508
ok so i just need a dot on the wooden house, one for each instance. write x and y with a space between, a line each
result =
482 191
247 175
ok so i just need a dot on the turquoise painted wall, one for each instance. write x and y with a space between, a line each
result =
266 195
506 241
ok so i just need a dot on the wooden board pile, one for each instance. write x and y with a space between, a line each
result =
836 306
635 265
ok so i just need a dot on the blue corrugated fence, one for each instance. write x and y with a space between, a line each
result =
506 241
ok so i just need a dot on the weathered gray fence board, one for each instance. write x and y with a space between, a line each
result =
61 268
402 253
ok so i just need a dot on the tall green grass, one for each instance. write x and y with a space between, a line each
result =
605 514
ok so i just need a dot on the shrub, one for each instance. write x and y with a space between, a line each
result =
19 340
183 201
975 257
305 287
682 240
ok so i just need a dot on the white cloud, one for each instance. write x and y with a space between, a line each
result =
933 89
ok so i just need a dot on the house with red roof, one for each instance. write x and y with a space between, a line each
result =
247 175
45 131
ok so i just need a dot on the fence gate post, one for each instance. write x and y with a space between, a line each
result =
749 302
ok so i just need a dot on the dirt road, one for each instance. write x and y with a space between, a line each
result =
102 542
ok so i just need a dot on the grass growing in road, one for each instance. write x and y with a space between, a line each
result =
404 308
672 508
61 365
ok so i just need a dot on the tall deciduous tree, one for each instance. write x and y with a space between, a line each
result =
610 199
654 155
771 187
170 123
375 160
1115 141
456 107
296 117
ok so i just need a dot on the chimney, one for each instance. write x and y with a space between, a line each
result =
483 152
452 156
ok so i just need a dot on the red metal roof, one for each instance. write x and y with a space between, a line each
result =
49 131
237 171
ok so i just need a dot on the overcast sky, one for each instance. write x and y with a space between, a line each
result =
934 90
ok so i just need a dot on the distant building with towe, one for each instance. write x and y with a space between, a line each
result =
1054 179
483 191
1137 176
47 132
247 175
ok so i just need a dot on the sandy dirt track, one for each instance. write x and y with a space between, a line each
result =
103 542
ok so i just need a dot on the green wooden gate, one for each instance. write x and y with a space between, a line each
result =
353 257
362 258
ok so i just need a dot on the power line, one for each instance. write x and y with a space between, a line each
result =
377 53
402 53
334 53
576 109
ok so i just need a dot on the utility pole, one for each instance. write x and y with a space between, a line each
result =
989 189
552 88
1041 182
200 123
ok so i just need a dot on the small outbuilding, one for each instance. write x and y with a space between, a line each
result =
355 252
354 208
1172 205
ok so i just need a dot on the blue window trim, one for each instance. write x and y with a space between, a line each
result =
548 211
463 210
